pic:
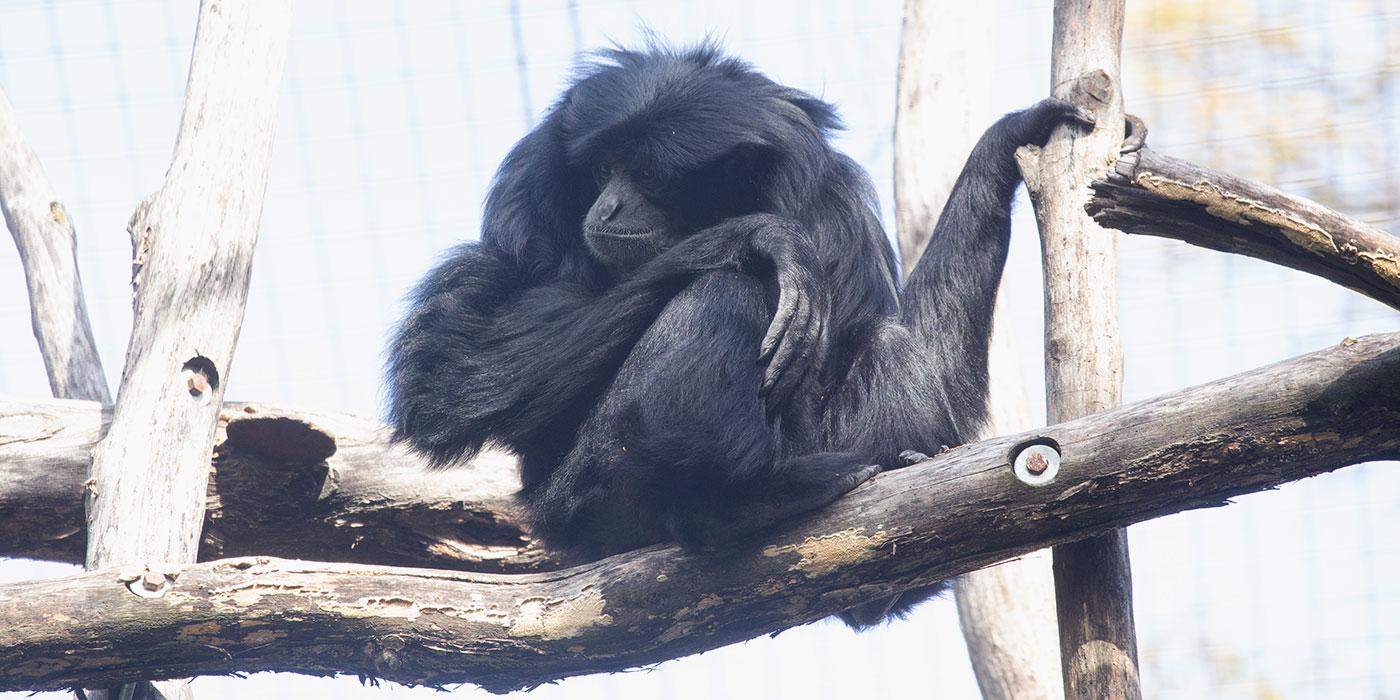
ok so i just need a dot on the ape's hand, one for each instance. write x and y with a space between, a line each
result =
796 341
1034 124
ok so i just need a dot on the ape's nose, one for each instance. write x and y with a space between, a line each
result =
608 208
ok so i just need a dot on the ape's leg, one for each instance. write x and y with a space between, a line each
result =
680 446
798 485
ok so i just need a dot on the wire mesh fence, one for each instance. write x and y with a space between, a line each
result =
395 115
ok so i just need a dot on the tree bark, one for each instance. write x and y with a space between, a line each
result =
1084 362
284 484
943 75
1007 613
48 250
1007 610
192 250
1157 195
957 512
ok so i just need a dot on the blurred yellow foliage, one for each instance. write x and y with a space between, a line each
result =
1294 98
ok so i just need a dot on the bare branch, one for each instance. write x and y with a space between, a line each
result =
960 511
43 233
1007 613
1157 195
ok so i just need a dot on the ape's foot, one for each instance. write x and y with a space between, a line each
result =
861 475
909 458
1034 124
1134 134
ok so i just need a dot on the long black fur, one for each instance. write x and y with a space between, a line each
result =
634 399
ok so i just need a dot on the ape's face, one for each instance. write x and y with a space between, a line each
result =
627 225
644 208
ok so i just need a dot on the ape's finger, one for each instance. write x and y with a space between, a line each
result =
779 365
1071 112
782 321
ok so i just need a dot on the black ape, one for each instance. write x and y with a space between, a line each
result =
612 327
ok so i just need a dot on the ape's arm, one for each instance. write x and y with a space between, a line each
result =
949 298
486 355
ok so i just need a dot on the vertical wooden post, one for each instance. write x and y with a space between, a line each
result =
192 253
1007 611
1084 366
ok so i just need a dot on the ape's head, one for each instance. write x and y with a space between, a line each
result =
650 146
644 205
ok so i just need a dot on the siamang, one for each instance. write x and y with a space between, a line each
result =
683 312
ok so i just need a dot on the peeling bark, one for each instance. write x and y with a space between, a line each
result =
192 253
1157 195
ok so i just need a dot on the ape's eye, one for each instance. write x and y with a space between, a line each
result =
602 172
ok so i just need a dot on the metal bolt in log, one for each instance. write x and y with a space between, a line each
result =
1036 462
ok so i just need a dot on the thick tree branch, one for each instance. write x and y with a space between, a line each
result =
43 233
293 485
1157 195
960 511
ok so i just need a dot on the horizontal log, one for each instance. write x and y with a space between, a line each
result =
287 484
1157 195
959 511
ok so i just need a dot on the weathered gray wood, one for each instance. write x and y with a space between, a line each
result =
959 511
941 80
1084 362
275 490
1094 597
43 233
1007 611
192 250
1158 195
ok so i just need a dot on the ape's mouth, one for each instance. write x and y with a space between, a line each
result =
619 232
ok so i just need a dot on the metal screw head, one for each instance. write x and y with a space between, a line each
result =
1036 463
201 378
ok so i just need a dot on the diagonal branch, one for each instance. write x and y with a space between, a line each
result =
43 233
1157 195
949 515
